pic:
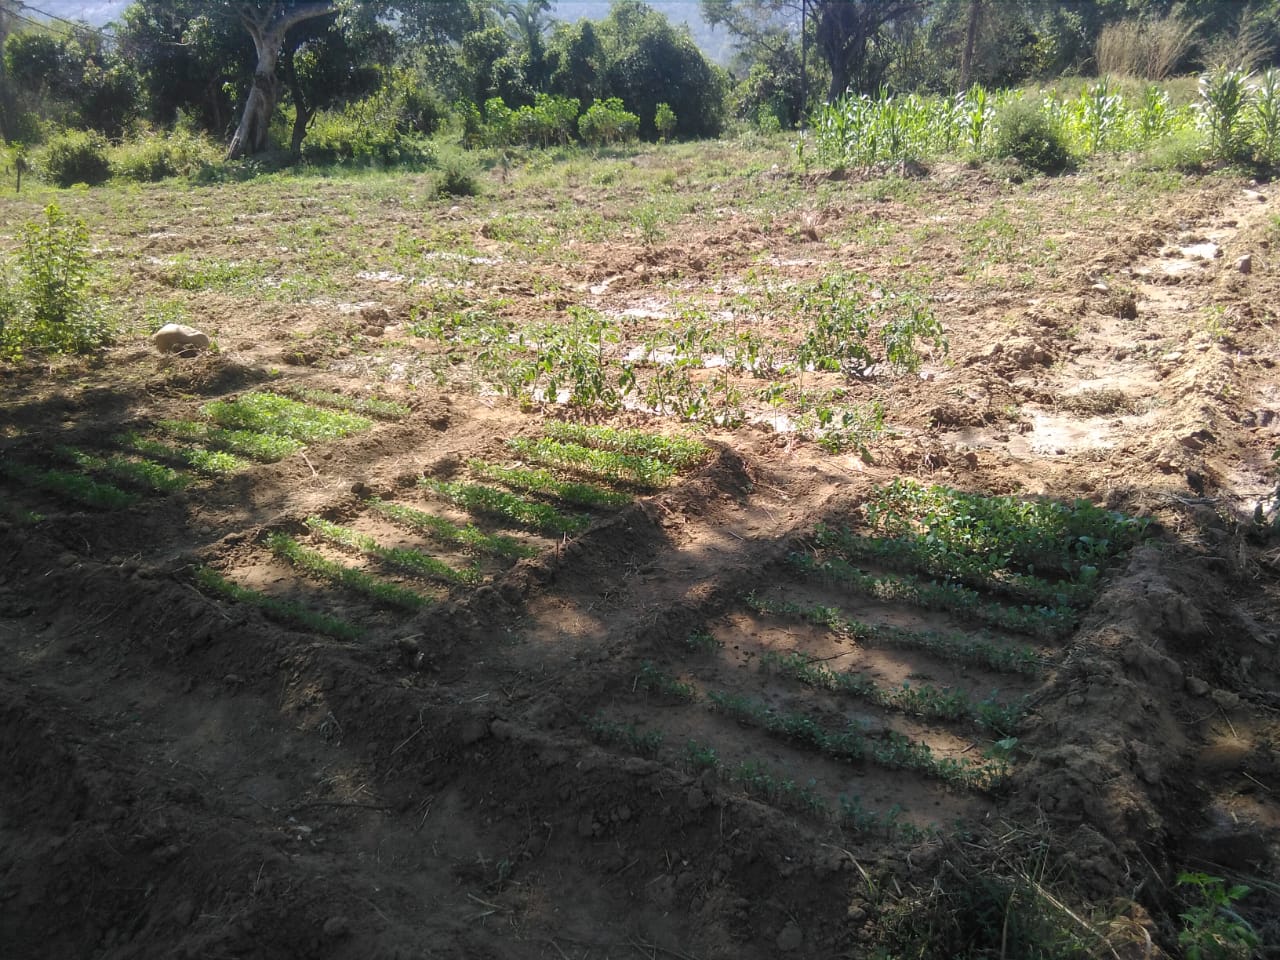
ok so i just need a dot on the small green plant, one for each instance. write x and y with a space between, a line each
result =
214 463
543 483
411 561
702 641
263 447
357 581
521 511
635 469
681 452
1212 929
382 409
468 537
283 611
664 120
273 414
758 781
628 736
145 474
701 757
652 680
607 122
75 487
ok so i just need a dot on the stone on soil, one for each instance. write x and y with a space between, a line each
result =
179 338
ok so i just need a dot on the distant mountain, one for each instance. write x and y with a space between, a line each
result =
714 43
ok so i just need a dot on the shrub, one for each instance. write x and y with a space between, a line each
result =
46 308
350 136
154 157
457 179
77 157
608 121
664 121
1025 133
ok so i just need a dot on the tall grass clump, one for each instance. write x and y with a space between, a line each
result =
1150 48
76 156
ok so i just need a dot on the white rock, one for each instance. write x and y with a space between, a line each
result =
178 338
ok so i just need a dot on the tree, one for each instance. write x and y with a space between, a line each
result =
529 23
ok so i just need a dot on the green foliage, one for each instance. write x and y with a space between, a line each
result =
653 680
681 452
1024 132
155 157
283 611
75 487
46 307
363 134
144 474
634 469
76 156
1181 150
1265 117
625 735
1212 930
382 409
468 537
607 122
411 561
544 483
209 462
1224 102
507 506
457 178
273 414
263 447
357 581
548 121
664 120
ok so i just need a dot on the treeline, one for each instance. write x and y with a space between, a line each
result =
372 80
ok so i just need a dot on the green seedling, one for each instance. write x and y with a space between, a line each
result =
947 646
652 680
758 781
635 469
680 452
468 537
411 561
75 487
372 406
263 447
507 506
701 641
282 417
543 483
701 757
145 474
213 463
282 611
357 581
627 736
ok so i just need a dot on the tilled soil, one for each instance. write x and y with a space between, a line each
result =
534 764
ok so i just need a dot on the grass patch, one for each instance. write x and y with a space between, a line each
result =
263 447
411 561
507 506
680 452
1049 622
213 463
145 474
925 700
635 469
957 647
468 537
273 414
543 483
372 406
357 581
282 611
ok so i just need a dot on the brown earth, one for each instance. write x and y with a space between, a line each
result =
183 777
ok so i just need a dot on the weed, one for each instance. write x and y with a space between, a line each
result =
146 474
263 447
284 611
357 581
382 409
1212 929
411 561
446 531
542 482
507 506
273 414
681 452
757 781
75 487
701 641
613 733
652 680
212 463
635 469
701 757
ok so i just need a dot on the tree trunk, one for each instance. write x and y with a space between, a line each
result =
267 24
970 41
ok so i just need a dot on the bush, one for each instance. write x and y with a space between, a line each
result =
664 121
46 308
349 136
1025 133
608 121
1182 150
457 179
155 157
76 157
